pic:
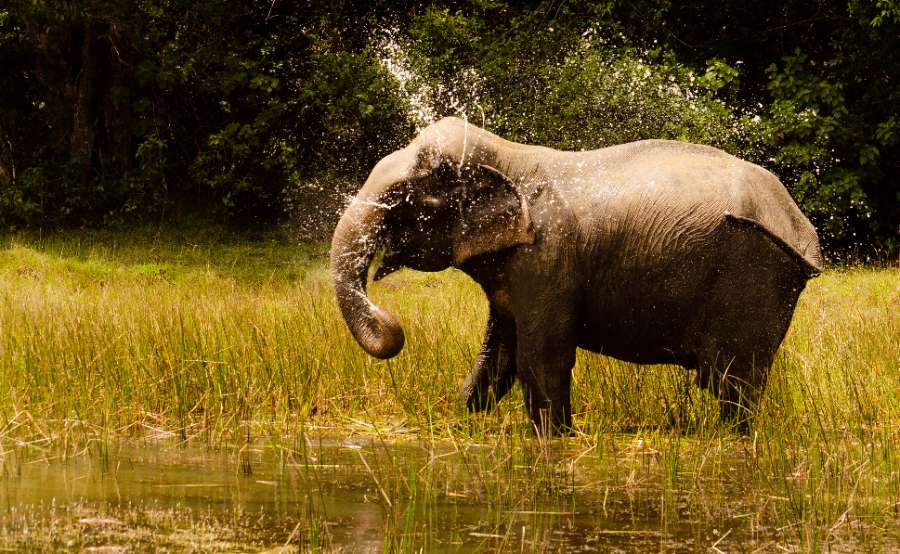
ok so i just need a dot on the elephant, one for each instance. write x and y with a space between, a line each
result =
651 252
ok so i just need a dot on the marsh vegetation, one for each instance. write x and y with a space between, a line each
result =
205 393
191 391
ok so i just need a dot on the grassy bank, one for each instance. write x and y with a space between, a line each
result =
111 336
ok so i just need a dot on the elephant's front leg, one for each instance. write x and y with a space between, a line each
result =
495 368
545 358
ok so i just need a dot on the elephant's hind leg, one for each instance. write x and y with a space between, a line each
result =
749 310
494 371
735 362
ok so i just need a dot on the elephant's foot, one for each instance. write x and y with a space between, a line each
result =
738 401
477 398
481 392
736 407
737 381
552 421
678 412
550 417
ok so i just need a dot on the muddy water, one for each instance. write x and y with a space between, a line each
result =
366 495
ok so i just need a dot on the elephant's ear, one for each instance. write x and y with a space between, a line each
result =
494 215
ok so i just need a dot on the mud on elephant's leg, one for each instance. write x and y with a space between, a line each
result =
545 365
494 371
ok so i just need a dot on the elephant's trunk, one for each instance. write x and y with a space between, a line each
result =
352 249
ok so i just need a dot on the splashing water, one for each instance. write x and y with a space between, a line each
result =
427 101
394 59
624 97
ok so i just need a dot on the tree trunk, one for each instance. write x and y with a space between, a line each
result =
87 101
85 68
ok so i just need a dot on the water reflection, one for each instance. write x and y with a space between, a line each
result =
372 496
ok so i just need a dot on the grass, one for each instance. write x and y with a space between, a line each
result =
107 336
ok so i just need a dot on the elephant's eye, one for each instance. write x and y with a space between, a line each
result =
433 201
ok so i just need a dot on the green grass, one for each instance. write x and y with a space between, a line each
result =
109 336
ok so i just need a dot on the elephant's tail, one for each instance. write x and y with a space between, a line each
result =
809 263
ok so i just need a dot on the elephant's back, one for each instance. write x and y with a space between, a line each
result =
687 190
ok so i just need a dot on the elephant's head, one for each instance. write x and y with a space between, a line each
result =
436 203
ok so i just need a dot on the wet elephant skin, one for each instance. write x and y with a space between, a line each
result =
651 252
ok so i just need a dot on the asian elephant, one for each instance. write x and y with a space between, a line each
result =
651 252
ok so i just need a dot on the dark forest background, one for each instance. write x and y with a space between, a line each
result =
258 114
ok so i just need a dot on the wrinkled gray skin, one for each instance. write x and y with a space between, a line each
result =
650 252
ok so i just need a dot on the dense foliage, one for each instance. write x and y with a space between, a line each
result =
245 112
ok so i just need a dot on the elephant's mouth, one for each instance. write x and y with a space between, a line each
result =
389 264
393 261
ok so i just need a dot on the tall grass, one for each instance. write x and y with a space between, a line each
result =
106 336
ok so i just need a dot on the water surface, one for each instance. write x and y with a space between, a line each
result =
367 494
